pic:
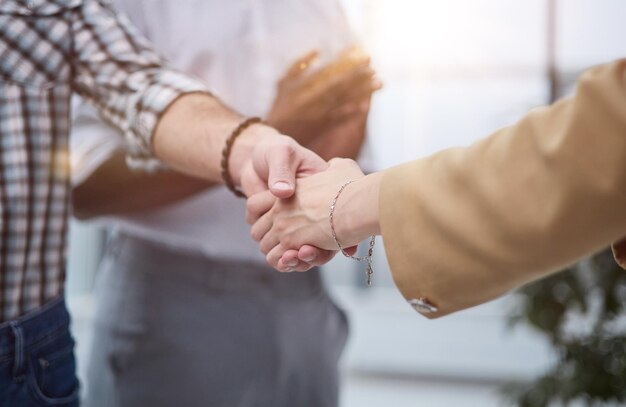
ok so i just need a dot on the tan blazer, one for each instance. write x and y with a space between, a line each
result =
469 224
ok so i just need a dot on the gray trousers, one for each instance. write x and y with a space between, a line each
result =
174 329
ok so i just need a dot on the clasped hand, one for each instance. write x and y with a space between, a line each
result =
294 232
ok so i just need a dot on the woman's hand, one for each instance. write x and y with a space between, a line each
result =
292 231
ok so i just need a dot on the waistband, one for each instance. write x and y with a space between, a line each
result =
35 326
163 262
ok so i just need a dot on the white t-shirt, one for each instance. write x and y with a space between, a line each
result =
240 48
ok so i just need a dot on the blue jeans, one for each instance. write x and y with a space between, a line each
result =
37 365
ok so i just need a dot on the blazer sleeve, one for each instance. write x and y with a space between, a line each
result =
469 224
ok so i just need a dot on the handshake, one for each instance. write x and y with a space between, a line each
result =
292 193
461 227
482 220
288 181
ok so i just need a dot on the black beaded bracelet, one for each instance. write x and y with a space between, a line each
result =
228 180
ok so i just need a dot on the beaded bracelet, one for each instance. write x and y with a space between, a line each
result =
370 251
228 146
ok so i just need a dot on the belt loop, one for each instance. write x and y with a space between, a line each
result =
18 360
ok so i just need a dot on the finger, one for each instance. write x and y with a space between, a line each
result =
359 92
282 267
355 53
356 104
301 64
286 159
328 78
351 251
260 229
273 258
296 265
312 255
356 89
360 74
251 183
343 81
302 266
257 205
282 164
290 260
270 239
342 66
346 90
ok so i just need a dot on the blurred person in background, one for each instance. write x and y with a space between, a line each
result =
188 312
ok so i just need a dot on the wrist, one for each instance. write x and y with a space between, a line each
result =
357 215
243 147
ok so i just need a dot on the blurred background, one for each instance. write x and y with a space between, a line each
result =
453 71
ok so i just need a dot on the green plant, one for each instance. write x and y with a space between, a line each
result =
581 311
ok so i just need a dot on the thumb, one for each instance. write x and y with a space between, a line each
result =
288 161
282 164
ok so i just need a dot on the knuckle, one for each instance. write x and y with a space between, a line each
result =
281 225
265 246
287 240
269 261
254 234
334 161
252 207
272 259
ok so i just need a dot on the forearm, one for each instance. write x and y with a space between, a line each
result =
192 133
357 210
467 225
163 113
114 189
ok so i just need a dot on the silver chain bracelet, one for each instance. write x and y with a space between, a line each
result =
368 256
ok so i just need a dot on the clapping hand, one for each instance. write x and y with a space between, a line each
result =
325 109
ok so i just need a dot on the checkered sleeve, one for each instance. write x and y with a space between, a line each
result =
118 72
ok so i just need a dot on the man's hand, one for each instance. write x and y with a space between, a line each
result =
274 164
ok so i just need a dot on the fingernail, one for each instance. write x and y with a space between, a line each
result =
282 186
308 259
288 270
291 263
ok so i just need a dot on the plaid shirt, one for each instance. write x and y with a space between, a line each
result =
48 50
